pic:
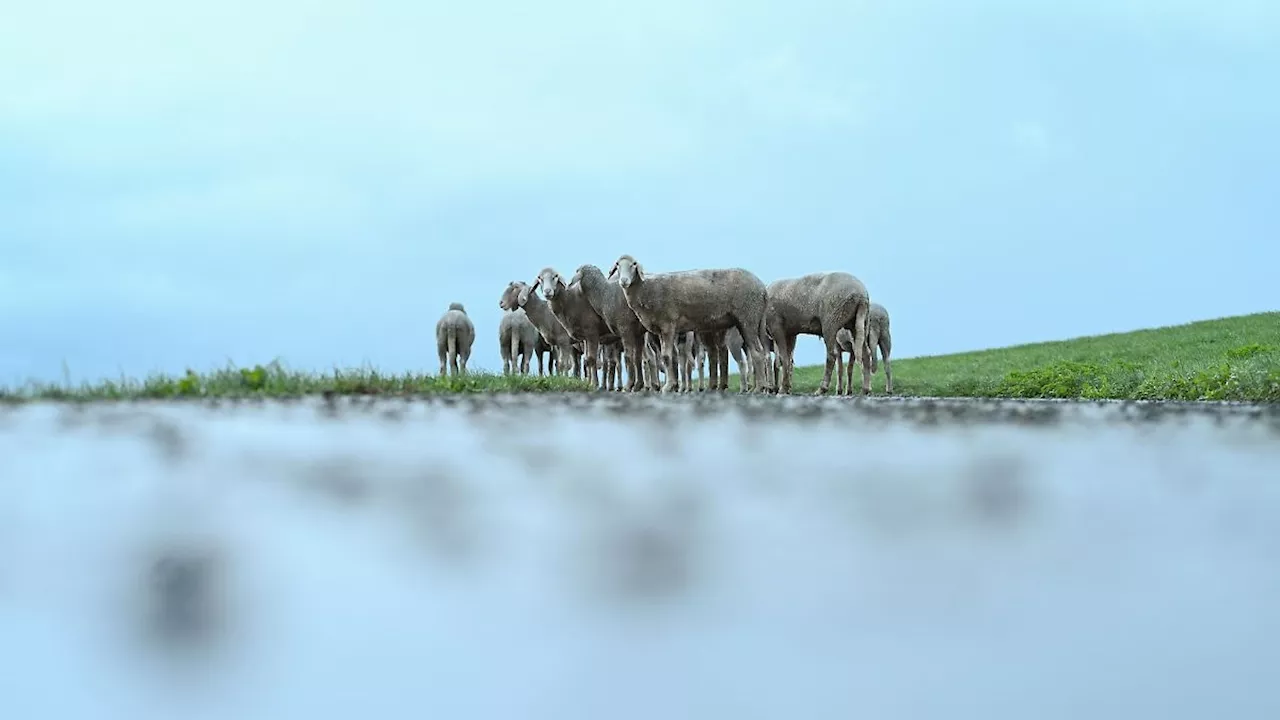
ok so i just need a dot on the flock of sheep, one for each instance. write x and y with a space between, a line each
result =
659 326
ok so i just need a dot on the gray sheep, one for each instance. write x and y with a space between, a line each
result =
517 295
695 300
454 336
569 305
878 338
518 342
608 300
817 304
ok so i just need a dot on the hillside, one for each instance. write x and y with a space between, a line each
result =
1234 358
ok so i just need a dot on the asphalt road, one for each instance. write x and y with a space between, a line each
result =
645 557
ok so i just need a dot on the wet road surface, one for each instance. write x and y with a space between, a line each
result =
595 557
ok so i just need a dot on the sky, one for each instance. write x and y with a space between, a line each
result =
187 185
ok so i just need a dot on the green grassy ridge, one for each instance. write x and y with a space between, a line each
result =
1231 358
1234 358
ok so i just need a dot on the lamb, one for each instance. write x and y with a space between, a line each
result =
877 337
609 302
569 305
518 341
559 343
817 304
697 300
454 336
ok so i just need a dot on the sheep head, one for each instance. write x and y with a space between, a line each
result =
551 282
458 306
629 271
514 296
582 272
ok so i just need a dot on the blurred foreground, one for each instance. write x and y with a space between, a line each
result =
592 556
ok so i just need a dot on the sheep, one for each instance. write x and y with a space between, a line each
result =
697 300
877 338
518 342
555 336
569 305
817 304
454 336
609 302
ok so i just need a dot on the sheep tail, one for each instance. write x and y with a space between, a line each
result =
861 331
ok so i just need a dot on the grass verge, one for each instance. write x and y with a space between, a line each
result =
275 380
1234 358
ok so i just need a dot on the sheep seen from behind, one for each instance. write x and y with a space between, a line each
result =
817 304
454 336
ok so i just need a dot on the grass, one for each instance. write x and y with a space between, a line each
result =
1236 358
275 380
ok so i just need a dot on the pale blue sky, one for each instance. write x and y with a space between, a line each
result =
187 183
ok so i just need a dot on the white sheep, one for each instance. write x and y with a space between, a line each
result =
817 304
570 306
607 299
518 342
517 295
694 300
454 337
878 338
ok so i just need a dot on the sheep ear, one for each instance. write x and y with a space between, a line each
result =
612 271
639 271
535 284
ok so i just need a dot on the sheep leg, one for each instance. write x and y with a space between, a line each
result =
840 372
722 357
833 350
853 361
742 373
786 358
712 367
629 361
443 351
591 361
885 346
753 342
760 364
667 348
639 381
